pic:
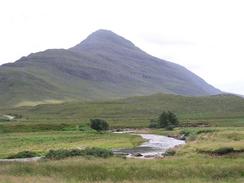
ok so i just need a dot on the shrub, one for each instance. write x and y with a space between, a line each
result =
185 132
98 152
64 153
170 152
220 151
223 150
23 154
99 124
205 131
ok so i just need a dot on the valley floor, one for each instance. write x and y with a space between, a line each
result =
189 164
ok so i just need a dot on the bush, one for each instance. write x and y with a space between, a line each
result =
24 154
219 152
64 153
99 124
98 152
185 132
170 152
223 150
206 131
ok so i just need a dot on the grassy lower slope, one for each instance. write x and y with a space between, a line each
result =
187 165
221 110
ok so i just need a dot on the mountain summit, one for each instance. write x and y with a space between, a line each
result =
103 66
103 39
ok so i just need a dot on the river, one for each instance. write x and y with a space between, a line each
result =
155 146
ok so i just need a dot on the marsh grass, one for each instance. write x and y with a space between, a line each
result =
173 169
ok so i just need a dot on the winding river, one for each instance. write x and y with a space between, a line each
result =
155 146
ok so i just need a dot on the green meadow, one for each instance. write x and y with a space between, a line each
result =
187 165
210 123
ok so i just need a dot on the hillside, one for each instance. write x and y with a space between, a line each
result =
103 66
218 110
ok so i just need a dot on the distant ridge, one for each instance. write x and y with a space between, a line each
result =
103 66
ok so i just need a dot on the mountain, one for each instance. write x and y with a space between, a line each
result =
103 66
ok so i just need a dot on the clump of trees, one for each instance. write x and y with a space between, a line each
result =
99 124
167 120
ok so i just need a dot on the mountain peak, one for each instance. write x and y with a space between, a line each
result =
101 39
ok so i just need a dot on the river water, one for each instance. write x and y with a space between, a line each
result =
155 146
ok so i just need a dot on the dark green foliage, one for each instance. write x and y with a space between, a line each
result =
153 123
99 124
98 152
170 152
223 150
220 151
23 154
64 153
185 132
167 120
205 131
170 127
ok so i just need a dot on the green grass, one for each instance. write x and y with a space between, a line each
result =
174 169
187 165
46 127
41 142
221 110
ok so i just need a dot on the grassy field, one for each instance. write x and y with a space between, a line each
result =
218 121
41 142
221 110
187 165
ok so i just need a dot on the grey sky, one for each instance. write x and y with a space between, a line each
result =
206 36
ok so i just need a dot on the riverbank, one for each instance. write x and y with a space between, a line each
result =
154 146
188 164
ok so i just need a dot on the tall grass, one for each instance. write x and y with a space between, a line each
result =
117 170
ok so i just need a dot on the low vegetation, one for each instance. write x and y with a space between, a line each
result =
181 165
42 142
64 153
212 126
23 154
99 124
134 112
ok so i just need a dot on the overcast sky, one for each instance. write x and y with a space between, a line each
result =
206 36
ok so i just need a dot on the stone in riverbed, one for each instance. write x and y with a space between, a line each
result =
137 155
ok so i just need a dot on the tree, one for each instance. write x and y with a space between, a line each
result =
166 120
163 120
173 118
99 124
